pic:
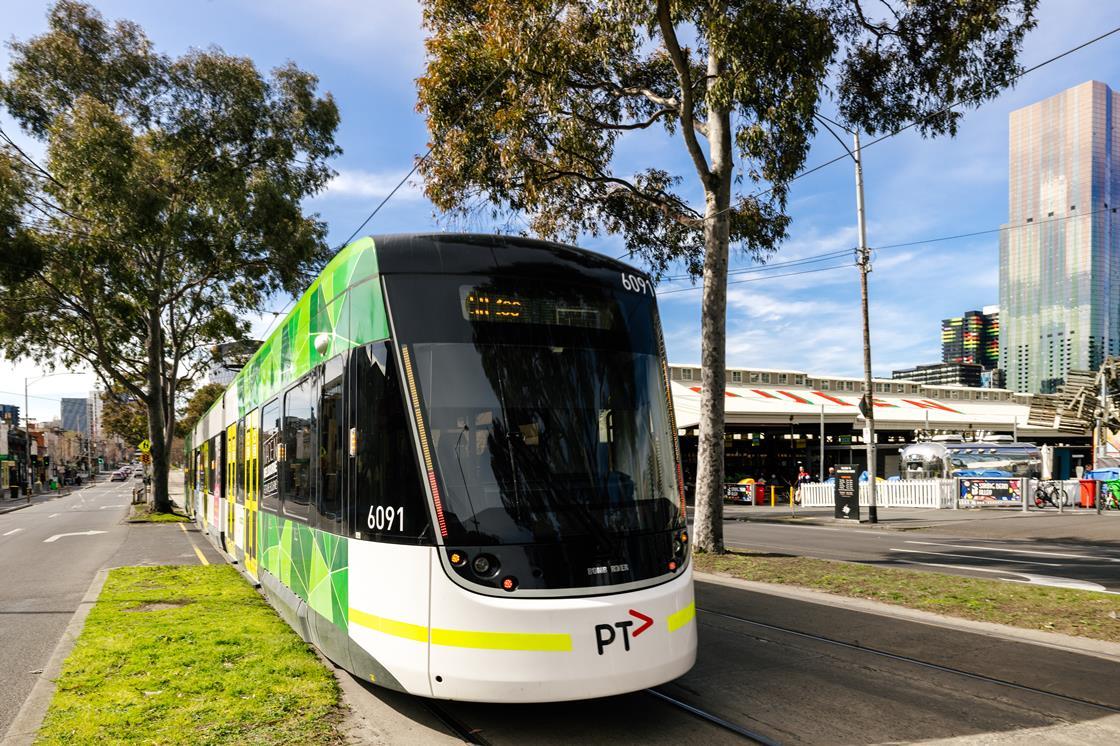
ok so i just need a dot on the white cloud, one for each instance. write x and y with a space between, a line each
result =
359 184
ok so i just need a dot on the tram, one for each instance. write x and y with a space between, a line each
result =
942 460
454 469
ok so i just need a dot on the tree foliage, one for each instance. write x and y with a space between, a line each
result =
200 401
169 201
125 416
529 103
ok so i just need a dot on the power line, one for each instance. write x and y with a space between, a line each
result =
439 138
758 279
813 259
919 242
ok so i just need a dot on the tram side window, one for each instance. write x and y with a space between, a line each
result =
332 447
299 446
387 495
270 442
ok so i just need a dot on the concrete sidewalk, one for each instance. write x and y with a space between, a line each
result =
1002 523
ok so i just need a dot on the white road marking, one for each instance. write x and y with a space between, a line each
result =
1047 580
106 507
56 537
1016 551
969 556
13 531
52 515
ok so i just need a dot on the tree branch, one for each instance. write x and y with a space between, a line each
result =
688 121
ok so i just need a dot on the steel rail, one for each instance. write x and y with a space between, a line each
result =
914 661
713 719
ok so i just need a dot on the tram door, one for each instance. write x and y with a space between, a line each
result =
229 488
252 488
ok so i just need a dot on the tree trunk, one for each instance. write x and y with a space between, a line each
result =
707 527
157 423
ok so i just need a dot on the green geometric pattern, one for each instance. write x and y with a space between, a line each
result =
344 302
313 564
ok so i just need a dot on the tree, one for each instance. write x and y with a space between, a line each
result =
168 203
124 415
527 103
200 401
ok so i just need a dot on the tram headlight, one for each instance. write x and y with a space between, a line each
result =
677 546
485 566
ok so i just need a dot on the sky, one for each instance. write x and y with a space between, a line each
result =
368 56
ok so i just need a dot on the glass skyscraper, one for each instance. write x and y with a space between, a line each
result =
1059 260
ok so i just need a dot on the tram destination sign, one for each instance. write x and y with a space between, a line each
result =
847 492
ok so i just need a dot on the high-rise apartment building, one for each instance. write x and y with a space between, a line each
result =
75 415
972 338
1059 259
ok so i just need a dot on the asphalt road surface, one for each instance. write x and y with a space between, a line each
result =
1069 563
49 555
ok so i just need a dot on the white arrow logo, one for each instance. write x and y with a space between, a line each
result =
56 537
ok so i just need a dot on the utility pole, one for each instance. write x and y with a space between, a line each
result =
869 390
820 477
27 432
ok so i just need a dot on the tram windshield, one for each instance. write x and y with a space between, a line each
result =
552 427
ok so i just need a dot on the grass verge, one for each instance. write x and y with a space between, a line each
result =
1071 612
189 655
145 514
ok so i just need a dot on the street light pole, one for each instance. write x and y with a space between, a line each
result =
869 391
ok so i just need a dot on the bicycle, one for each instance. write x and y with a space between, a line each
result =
1109 497
1050 491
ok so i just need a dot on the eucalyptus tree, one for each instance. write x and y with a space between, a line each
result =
528 102
168 202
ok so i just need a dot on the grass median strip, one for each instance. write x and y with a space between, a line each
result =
145 514
1071 612
189 655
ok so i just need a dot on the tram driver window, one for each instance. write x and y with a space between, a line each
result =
299 445
270 446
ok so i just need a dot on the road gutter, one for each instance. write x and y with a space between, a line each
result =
28 720
1109 651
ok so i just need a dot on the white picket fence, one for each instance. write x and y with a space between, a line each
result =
914 493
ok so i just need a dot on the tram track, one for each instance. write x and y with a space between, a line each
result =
457 727
712 719
913 661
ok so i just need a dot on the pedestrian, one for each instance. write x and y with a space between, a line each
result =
802 476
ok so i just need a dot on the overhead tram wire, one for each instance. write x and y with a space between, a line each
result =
758 279
462 115
918 121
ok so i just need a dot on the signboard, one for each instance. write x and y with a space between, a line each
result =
847 492
739 493
145 445
991 491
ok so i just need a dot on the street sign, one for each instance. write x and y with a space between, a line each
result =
847 492
145 445
145 458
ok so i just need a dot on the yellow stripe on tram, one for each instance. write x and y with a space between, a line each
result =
680 618
458 638
389 626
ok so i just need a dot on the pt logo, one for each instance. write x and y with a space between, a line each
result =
606 634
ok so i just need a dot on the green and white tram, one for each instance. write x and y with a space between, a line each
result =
454 469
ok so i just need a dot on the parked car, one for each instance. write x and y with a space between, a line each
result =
119 476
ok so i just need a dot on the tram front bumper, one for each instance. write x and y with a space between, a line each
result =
488 649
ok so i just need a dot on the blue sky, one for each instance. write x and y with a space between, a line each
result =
368 55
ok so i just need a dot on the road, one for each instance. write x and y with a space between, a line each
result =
1070 562
50 553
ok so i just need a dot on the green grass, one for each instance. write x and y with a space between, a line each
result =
189 655
145 514
1072 612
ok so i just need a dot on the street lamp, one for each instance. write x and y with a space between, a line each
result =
867 404
27 420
